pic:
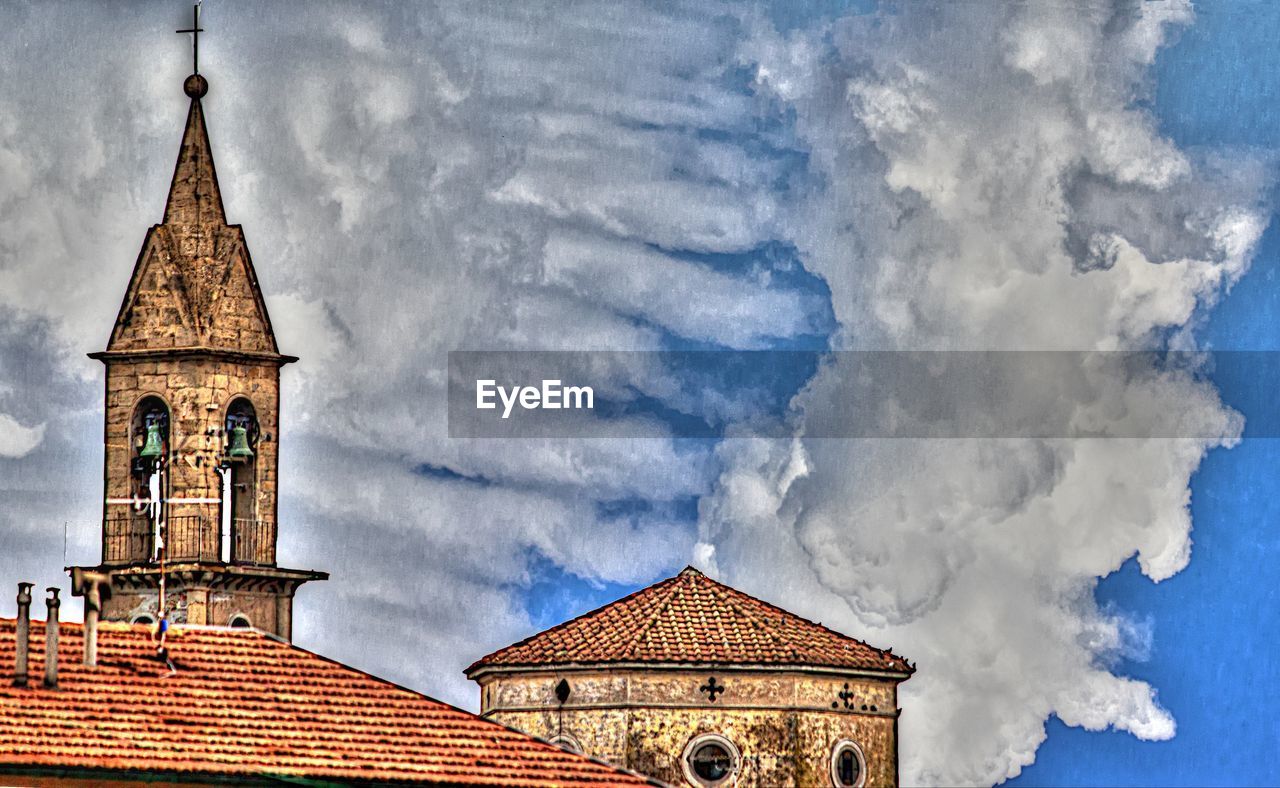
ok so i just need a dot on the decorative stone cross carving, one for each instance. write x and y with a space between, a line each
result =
712 689
846 697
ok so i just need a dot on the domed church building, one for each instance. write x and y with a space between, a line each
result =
695 683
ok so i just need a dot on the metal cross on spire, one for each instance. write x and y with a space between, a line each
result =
195 30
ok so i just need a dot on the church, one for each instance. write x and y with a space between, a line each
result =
697 683
184 672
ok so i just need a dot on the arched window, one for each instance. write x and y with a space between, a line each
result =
239 621
711 760
848 767
566 741
240 483
143 619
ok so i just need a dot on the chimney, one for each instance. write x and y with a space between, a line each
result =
94 587
51 639
24 634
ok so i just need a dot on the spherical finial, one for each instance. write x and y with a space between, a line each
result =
195 86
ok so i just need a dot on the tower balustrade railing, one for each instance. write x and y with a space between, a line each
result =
191 537
253 542
127 539
130 540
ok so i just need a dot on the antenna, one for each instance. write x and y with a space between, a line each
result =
195 30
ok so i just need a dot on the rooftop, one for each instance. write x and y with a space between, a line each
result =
692 619
246 706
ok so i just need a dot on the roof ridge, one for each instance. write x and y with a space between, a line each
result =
727 593
590 614
819 625
657 614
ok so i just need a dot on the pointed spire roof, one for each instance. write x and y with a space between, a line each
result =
194 197
692 619
194 287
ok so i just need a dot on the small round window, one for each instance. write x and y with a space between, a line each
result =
711 760
240 622
566 742
848 768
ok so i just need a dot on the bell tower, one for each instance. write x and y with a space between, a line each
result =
193 419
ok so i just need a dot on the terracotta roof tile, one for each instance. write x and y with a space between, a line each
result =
692 619
245 704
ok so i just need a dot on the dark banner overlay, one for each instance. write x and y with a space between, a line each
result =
862 394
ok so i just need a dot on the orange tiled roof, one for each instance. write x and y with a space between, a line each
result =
692 619
244 705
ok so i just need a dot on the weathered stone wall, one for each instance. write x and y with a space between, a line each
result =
198 604
786 723
128 605
193 288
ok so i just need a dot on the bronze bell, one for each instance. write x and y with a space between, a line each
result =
239 449
154 447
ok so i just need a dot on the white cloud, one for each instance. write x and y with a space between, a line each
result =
954 189
17 440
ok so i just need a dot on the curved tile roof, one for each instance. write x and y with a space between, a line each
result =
692 619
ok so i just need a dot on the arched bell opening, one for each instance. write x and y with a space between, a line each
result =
241 530
149 435
133 536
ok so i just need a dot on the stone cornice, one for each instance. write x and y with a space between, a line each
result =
221 354
654 667
699 707
212 574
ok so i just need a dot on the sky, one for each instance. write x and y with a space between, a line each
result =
420 178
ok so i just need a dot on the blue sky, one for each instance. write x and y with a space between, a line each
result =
1216 623
424 178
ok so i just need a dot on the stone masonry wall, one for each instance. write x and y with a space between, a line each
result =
786 724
